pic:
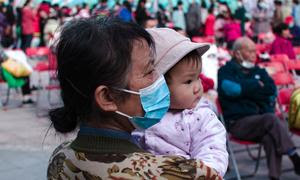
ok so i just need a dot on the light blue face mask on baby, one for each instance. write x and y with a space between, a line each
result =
155 100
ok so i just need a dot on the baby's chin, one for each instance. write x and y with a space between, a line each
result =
183 107
195 103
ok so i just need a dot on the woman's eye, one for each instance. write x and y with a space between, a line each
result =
150 72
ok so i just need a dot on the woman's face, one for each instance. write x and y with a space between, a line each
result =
142 74
286 33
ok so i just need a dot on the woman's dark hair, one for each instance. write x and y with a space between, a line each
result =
92 52
280 28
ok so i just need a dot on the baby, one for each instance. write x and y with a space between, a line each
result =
189 128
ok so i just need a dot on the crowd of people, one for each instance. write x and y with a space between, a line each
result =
215 18
145 93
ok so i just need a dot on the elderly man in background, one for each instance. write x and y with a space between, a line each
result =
247 95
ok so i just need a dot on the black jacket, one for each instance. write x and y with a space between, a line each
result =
240 93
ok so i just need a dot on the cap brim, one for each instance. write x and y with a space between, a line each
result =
177 53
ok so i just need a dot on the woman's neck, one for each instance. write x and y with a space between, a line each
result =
111 123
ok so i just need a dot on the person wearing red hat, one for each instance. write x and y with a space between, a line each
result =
294 29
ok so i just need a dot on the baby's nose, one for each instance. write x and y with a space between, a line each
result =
197 87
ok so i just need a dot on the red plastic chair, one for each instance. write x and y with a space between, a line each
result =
297 51
293 65
279 57
47 64
283 79
273 67
37 52
283 100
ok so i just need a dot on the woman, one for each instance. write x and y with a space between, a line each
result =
178 16
28 18
141 13
262 17
104 65
282 44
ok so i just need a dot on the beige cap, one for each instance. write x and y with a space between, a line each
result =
171 47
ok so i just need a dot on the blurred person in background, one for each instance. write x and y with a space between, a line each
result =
193 19
232 30
178 16
278 13
282 43
9 36
261 18
150 22
204 11
241 15
43 14
210 23
84 12
294 29
65 14
223 16
296 12
101 9
28 18
4 25
52 23
126 12
141 13
161 16
247 95
219 29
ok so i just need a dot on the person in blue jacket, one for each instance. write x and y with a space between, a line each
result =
126 13
247 96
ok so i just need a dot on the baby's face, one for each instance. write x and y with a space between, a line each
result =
185 86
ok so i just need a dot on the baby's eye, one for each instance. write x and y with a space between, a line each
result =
188 82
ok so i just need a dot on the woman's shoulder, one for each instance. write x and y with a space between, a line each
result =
67 163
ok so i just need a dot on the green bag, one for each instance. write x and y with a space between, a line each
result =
294 110
12 81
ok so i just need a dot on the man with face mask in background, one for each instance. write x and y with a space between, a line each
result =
247 96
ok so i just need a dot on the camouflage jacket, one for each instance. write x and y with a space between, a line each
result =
99 157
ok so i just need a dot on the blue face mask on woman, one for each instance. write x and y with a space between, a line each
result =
155 100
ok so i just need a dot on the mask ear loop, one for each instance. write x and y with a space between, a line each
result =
240 54
123 114
128 91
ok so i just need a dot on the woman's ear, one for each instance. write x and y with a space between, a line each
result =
104 99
